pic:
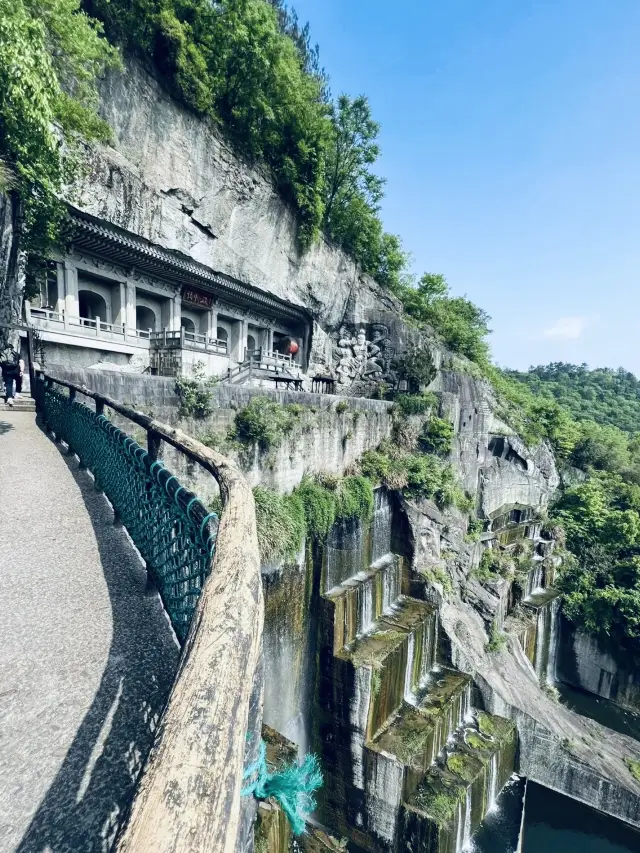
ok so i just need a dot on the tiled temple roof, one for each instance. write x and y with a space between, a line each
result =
114 244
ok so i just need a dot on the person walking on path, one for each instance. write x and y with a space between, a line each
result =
10 366
19 378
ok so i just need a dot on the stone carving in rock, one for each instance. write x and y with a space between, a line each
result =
361 363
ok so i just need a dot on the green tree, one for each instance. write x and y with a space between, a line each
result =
50 56
604 395
603 447
353 150
301 36
415 367
461 324
241 62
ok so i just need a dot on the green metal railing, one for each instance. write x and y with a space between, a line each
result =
173 531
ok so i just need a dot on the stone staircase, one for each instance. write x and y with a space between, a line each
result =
260 368
404 754
21 404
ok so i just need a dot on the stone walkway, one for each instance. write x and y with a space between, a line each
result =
87 657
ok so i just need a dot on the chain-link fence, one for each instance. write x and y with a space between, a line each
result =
173 531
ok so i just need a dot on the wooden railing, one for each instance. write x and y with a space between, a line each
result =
168 339
188 796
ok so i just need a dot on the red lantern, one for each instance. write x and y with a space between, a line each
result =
293 347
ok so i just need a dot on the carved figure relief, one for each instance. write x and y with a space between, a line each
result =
359 360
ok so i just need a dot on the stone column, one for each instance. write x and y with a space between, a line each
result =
176 312
238 340
244 333
269 344
121 316
60 302
213 323
130 308
72 308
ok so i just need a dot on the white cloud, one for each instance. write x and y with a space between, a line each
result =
568 328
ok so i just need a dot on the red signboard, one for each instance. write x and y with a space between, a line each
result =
197 297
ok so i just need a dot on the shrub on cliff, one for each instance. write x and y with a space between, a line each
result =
265 422
415 367
418 475
281 524
310 511
194 393
436 436
462 325
415 404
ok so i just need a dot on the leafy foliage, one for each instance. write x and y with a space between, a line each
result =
353 192
415 367
265 422
497 639
50 56
416 474
436 436
601 518
475 529
281 524
461 324
608 397
415 404
634 767
310 511
194 393
494 564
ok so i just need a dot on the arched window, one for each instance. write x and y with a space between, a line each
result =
222 336
188 325
92 305
145 319
251 343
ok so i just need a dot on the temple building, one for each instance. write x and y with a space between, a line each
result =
115 297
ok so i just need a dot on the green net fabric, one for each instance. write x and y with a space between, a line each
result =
171 528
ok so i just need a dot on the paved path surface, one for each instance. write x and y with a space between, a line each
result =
86 654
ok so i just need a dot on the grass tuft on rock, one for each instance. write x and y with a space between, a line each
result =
281 524
634 767
310 511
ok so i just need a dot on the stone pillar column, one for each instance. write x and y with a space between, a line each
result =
238 340
269 344
60 302
72 308
121 316
176 312
130 308
244 333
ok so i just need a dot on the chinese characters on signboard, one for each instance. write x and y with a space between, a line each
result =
197 297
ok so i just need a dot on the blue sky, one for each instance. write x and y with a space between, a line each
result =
511 145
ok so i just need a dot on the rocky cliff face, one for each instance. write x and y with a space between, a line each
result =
558 748
172 179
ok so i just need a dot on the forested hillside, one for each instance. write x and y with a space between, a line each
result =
595 428
607 396
249 66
